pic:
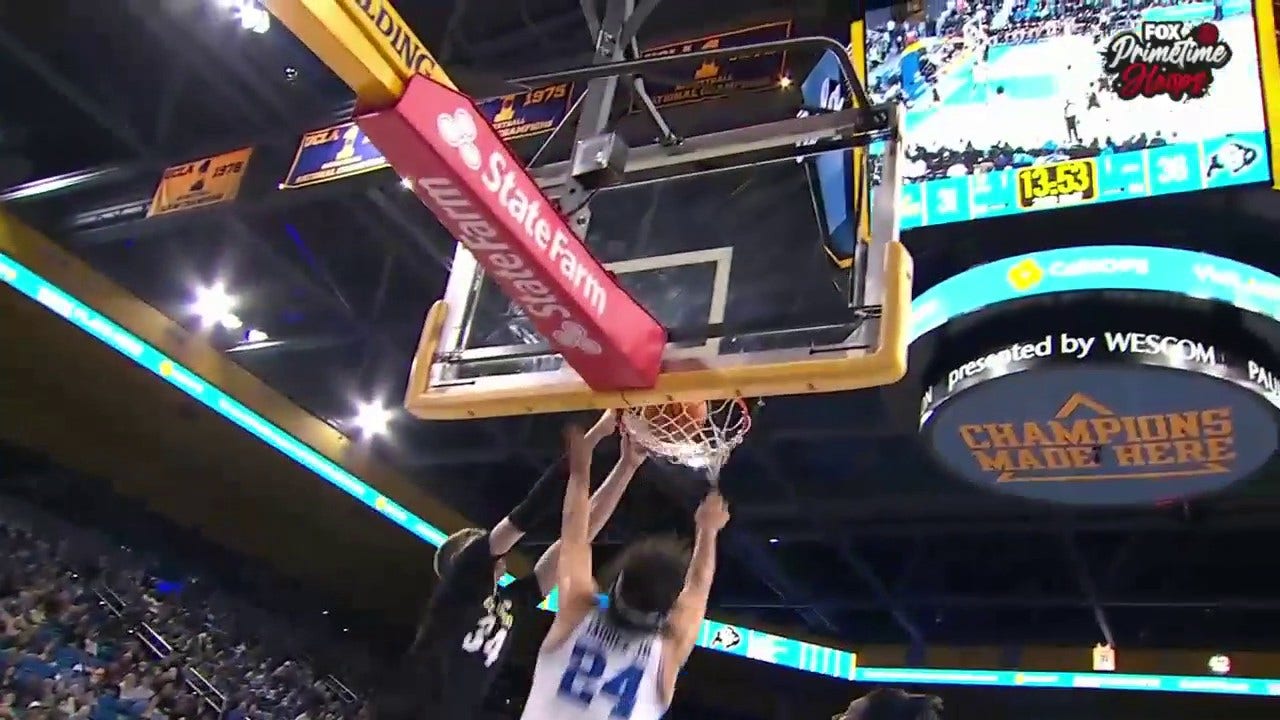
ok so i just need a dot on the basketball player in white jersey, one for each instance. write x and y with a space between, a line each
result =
617 659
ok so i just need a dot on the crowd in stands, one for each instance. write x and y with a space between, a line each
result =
932 163
89 630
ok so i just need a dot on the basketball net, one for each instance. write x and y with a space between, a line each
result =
674 434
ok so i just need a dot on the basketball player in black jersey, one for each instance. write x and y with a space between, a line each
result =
464 634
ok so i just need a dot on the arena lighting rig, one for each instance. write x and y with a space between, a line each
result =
626 356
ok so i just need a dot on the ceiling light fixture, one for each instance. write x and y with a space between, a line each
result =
250 15
372 419
213 305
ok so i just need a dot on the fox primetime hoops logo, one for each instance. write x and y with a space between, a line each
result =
1172 58
1111 418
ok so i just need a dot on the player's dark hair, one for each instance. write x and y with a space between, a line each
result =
452 545
893 704
650 576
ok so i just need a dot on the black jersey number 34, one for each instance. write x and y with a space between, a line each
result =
490 633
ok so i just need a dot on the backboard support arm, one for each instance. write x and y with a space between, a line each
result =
600 159
595 146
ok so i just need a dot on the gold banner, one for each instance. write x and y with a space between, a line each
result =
207 181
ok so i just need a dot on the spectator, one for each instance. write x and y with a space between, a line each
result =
126 646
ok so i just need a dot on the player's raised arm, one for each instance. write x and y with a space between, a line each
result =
691 607
603 502
542 499
573 569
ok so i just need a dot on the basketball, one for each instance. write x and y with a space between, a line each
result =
684 417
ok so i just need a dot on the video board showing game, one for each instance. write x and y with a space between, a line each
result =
1023 105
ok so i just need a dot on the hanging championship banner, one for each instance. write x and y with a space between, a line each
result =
525 114
344 151
207 181
332 153
723 75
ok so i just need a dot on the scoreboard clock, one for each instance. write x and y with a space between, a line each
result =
1071 181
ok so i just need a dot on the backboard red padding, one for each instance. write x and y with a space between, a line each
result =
464 173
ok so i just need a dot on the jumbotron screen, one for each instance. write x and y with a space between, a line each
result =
1022 105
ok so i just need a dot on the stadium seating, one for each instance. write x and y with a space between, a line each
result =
89 630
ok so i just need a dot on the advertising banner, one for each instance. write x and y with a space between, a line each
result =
1102 267
481 193
1116 417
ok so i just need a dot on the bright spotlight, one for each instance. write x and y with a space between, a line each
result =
372 419
262 23
213 305
231 321
251 16
784 81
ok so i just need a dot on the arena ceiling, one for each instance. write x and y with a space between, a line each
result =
843 527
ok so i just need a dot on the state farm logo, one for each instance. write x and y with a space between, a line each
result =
504 258
1170 58
574 335
459 131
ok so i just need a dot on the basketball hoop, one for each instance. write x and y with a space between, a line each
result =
700 435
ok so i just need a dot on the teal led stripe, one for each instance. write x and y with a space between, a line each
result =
1093 268
722 637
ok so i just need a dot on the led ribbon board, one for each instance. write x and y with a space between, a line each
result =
722 637
1071 411
1102 418
1109 267
1015 110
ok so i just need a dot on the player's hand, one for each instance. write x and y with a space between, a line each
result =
578 450
633 453
713 514
603 428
